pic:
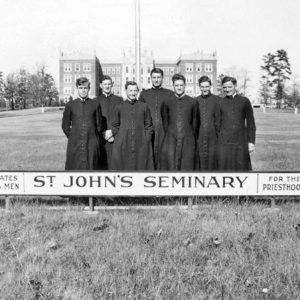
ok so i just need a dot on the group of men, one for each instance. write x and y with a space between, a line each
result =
161 129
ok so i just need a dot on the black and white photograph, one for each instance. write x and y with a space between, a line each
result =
149 149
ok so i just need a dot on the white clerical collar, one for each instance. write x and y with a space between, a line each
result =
180 95
83 99
107 95
234 95
157 88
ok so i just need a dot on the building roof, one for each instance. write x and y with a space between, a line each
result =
198 55
76 55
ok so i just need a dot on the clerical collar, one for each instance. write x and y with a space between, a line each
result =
232 96
205 96
181 96
131 101
83 99
106 95
156 88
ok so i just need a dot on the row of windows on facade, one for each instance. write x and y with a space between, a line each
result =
86 67
189 67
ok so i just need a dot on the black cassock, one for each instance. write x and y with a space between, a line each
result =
154 98
237 129
81 124
108 106
132 128
180 118
209 107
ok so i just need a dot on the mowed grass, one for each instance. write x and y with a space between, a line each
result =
31 140
216 252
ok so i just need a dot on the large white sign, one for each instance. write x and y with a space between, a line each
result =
149 183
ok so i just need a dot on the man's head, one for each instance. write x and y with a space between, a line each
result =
106 84
132 90
157 75
229 85
178 84
83 87
205 85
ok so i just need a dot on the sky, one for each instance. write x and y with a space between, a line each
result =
33 32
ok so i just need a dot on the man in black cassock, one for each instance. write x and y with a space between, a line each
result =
209 107
180 117
81 124
108 102
132 130
154 98
237 129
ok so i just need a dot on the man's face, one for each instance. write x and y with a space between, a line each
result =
179 87
83 90
205 88
132 92
106 86
156 79
229 88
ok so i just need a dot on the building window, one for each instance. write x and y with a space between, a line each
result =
104 70
113 79
89 77
118 70
189 90
77 67
149 70
208 68
189 78
67 90
167 71
67 78
127 78
76 76
113 71
148 80
142 70
142 80
167 80
118 81
198 67
189 67
172 71
127 70
67 67
86 67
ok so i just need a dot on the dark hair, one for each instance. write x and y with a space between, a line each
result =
157 70
229 78
128 83
105 77
204 79
82 81
178 77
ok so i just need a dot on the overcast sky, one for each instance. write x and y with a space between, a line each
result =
34 31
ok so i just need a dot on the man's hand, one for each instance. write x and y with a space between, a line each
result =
251 147
108 136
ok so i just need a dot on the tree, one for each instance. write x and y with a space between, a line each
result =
1 86
43 89
292 93
23 83
265 91
277 69
10 89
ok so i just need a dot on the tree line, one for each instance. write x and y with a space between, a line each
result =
22 89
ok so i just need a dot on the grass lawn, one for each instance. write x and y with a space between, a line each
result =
31 140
